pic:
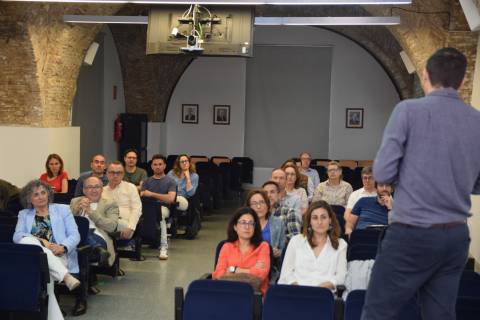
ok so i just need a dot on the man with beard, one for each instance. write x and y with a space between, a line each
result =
371 210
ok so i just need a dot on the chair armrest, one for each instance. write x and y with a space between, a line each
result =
340 289
257 306
179 299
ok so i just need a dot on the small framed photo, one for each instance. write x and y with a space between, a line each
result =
354 118
190 113
221 114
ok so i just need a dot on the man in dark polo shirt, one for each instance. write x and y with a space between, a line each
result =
371 210
430 152
164 189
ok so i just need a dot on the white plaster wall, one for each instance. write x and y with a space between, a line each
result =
474 221
208 81
31 147
112 76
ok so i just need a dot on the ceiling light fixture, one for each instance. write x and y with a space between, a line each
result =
237 2
260 21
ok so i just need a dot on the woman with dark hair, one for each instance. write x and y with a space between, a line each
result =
55 176
317 257
292 186
184 174
244 252
273 229
304 181
53 228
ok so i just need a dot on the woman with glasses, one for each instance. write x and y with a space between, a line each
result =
244 256
317 257
292 185
184 174
55 176
273 229
53 228
335 191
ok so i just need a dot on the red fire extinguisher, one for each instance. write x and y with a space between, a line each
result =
117 129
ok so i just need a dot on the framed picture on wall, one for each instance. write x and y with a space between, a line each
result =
190 113
221 114
354 118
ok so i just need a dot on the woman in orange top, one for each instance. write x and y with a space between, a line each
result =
55 176
245 251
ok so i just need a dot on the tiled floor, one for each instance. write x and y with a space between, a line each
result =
147 290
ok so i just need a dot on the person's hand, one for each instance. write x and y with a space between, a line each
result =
126 233
84 203
145 193
57 249
276 252
44 242
387 202
348 232
187 174
327 285
260 265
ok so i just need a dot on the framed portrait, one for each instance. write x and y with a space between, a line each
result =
190 113
221 114
354 118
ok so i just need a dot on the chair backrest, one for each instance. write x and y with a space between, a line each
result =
321 162
361 252
83 226
339 211
220 159
23 276
63 198
217 252
365 163
151 209
217 299
352 164
298 302
469 284
197 159
365 236
7 228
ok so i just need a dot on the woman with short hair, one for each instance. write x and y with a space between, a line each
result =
318 256
53 228
244 256
335 190
55 176
292 185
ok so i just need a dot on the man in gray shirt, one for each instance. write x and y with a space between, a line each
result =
431 153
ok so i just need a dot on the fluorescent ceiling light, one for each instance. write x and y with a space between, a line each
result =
260 21
237 2
326 21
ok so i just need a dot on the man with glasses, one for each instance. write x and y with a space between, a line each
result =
133 174
98 170
164 189
368 190
305 159
125 194
371 210
102 216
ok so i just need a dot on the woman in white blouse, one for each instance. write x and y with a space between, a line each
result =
317 257
292 185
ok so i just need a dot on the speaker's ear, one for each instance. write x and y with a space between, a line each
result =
91 52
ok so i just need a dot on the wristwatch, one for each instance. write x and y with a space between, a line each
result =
232 269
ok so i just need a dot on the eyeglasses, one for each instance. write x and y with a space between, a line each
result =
115 173
246 224
92 187
257 204
333 170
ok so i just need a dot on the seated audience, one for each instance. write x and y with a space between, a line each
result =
292 186
304 181
291 200
293 224
305 169
244 256
8 192
273 228
183 172
318 257
53 228
368 190
98 170
133 174
370 211
125 195
55 176
162 188
102 216
335 191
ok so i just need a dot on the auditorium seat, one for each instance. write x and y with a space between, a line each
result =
352 164
339 211
23 276
285 302
217 299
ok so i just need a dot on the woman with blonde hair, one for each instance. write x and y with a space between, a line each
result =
318 256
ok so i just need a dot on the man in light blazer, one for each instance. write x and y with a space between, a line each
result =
103 218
